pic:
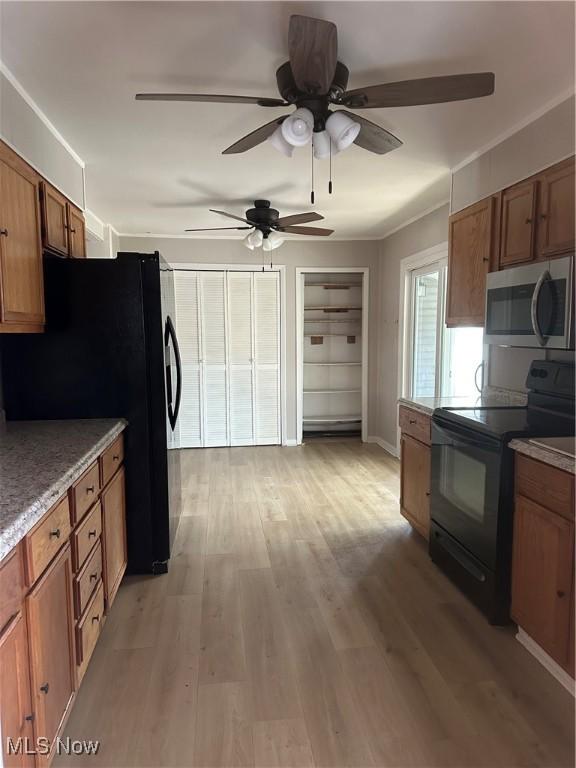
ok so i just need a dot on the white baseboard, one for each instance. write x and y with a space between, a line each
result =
289 443
547 661
388 447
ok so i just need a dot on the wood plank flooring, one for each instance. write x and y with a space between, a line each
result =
303 624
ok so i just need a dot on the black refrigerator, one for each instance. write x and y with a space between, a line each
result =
110 350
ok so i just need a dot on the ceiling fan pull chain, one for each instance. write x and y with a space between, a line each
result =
330 179
312 165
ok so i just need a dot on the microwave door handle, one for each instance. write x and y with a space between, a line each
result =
534 307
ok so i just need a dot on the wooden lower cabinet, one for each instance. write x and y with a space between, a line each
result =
16 711
542 577
50 615
415 483
114 535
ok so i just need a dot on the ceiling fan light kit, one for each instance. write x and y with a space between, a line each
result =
254 239
323 145
279 142
297 129
342 129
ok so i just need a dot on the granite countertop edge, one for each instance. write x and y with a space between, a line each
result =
545 455
490 397
14 531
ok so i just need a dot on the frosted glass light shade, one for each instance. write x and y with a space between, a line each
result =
342 129
297 129
274 240
279 142
254 240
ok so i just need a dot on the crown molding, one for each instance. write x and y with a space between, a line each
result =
417 217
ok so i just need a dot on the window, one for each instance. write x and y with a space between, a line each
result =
439 361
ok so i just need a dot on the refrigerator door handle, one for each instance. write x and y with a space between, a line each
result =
173 410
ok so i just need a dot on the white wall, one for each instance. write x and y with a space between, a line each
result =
415 237
292 254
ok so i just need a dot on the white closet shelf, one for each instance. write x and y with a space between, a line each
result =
329 308
329 391
321 333
332 364
332 419
334 286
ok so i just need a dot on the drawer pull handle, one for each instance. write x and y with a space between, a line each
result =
29 718
412 421
543 216
4 232
115 457
93 576
72 230
55 534
95 618
45 688
560 593
528 221
90 489
91 534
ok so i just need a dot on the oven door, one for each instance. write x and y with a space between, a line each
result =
465 487
531 306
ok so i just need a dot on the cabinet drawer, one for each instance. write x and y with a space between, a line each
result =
86 582
86 536
88 630
11 585
111 459
546 485
415 424
46 538
85 492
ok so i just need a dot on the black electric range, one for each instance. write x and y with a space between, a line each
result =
472 482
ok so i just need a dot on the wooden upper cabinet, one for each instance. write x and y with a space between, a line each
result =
415 483
21 272
54 220
16 713
556 211
517 234
52 659
77 231
542 577
470 253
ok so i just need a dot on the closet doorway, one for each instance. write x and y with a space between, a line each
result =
230 327
332 351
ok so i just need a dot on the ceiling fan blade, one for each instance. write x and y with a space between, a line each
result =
262 101
214 229
427 90
299 218
229 215
307 231
313 47
373 137
256 137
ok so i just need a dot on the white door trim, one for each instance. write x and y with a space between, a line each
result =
300 272
281 269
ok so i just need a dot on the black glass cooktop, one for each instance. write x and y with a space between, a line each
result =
509 422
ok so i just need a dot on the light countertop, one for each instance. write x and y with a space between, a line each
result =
489 398
39 460
553 451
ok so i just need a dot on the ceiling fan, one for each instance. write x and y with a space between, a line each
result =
313 80
267 225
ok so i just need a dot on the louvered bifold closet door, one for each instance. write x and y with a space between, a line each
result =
213 358
240 358
189 423
266 293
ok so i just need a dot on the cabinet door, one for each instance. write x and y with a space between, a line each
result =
415 484
542 576
518 224
54 220
21 276
114 535
51 626
77 232
556 211
469 255
16 714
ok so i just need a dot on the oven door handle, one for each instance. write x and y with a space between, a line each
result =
544 277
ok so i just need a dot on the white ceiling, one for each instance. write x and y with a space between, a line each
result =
157 167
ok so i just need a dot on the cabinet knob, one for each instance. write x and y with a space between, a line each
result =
115 457
55 534
95 618
411 421
90 489
93 576
4 232
528 221
427 493
29 718
543 216
560 593
72 230
45 688
92 534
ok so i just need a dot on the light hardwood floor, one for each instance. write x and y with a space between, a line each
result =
302 623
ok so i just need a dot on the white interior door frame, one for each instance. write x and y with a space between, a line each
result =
281 269
300 273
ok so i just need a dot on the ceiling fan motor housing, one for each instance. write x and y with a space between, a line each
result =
316 103
263 216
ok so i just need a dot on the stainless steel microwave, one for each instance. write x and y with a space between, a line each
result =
531 305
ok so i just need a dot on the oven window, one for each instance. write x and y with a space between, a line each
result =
463 482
